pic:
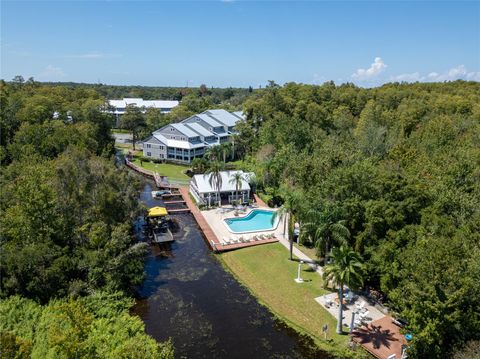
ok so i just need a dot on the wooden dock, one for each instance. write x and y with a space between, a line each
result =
170 195
178 210
174 202
210 237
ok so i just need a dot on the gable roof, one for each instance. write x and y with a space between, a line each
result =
203 185
239 114
199 129
209 120
177 143
184 129
154 140
223 117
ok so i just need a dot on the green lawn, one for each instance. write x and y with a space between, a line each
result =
120 130
311 252
268 273
172 171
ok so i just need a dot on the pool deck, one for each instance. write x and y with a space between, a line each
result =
211 233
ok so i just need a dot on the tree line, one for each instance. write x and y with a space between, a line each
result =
392 173
69 259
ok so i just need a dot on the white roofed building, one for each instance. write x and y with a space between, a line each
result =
184 141
118 107
205 192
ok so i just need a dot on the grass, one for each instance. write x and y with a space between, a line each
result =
268 273
172 171
120 130
309 251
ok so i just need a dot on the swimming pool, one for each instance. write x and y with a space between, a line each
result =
257 220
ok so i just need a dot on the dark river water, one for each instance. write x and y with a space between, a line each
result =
188 296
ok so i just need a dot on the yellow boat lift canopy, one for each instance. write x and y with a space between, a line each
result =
157 212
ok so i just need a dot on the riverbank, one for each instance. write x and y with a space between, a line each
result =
268 274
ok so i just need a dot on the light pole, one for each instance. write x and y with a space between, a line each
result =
352 322
299 279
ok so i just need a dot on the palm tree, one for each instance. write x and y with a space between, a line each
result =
237 179
226 149
347 269
292 199
199 165
215 172
234 137
213 153
324 232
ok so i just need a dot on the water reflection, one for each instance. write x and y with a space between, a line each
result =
188 296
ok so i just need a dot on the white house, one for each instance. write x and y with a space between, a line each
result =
119 106
182 142
205 192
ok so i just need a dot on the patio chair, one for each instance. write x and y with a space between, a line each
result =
361 305
364 315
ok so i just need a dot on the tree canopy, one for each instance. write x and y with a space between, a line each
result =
66 214
398 166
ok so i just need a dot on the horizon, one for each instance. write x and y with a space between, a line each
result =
187 44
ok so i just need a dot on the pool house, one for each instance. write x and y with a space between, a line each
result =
204 191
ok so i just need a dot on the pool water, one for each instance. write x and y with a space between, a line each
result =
256 221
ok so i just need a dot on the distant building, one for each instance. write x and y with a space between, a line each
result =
204 193
182 142
119 106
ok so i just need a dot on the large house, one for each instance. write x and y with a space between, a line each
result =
184 141
118 107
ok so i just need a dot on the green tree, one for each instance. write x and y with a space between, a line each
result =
133 120
199 165
226 149
214 173
347 269
237 179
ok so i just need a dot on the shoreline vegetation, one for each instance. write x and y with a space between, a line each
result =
268 274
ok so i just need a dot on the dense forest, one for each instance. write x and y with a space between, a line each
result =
69 261
399 167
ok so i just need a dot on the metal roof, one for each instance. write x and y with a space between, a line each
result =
209 120
139 102
199 129
177 143
184 129
202 182
223 117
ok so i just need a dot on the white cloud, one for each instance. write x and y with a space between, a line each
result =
318 79
93 55
51 73
376 68
413 77
459 72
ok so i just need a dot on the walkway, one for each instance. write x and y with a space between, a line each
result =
212 240
259 201
297 252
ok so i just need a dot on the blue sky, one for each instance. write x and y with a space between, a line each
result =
240 43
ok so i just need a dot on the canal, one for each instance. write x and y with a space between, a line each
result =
188 296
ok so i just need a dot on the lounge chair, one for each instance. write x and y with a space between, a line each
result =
361 305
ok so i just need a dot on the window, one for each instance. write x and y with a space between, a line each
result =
172 129
149 154
161 147
149 145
